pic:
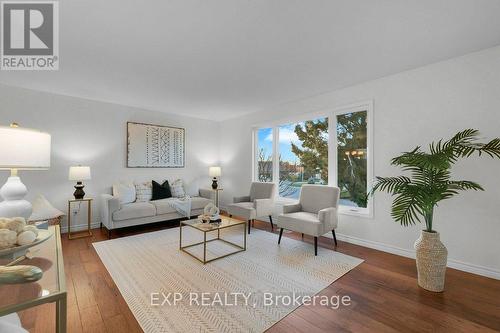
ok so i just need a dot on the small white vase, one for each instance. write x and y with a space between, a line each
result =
432 257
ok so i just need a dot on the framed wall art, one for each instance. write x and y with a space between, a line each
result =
155 146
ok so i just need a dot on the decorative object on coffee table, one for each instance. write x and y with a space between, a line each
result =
88 232
20 149
210 214
78 174
429 183
214 172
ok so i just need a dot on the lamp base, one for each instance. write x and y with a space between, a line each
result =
14 205
214 183
79 193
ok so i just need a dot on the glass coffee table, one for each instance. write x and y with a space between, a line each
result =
210 229
51 288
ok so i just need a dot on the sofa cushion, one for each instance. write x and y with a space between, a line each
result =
245 210
163 207
134 210
124 191
199 202
303 222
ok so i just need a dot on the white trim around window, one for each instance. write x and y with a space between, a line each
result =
331 114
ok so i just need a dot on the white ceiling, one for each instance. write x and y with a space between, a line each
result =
223 58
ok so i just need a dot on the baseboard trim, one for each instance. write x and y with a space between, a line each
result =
452 263
79 227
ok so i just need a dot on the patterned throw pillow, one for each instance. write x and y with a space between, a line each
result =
177 189
144 191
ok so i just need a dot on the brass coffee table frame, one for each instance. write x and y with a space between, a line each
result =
204 261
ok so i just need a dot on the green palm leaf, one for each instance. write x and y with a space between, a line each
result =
429 180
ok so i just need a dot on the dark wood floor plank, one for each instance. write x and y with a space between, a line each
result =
384 295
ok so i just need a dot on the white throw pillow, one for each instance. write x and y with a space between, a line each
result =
125 192
177 189
43 210
193 188
144 191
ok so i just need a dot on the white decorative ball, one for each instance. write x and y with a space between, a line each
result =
31 228
7 238
26 237
15 224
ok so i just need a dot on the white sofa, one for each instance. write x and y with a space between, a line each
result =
115 215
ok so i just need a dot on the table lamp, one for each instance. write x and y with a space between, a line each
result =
20 149
215 172
79 173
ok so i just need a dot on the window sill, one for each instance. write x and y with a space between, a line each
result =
344 210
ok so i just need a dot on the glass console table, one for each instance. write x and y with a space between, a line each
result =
51 288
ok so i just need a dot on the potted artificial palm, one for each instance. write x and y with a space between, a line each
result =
428 183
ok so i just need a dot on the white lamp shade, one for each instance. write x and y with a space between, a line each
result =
24 149
214 171
79 173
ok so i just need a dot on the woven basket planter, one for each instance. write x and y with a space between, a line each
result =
432 257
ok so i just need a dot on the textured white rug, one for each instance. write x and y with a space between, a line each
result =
149 270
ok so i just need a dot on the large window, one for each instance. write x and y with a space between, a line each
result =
352 158
295 153
303 156
264 165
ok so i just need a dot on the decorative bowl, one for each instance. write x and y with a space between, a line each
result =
19 250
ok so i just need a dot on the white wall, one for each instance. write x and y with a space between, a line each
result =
94 133
410 108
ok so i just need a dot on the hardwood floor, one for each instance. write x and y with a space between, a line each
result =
384 293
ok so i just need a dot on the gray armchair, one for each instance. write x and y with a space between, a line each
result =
314 215
259 203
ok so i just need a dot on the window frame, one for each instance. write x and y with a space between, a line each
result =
331 114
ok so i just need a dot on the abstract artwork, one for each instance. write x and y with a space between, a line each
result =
155 146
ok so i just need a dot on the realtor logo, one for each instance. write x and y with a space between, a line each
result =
29 35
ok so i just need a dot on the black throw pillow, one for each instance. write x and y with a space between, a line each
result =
161 191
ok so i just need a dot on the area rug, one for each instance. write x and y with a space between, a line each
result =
169 291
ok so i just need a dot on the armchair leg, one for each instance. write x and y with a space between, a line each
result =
315 246
109 234
271 220
334 237
100 226
302 236
281 233
230 215
249 226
